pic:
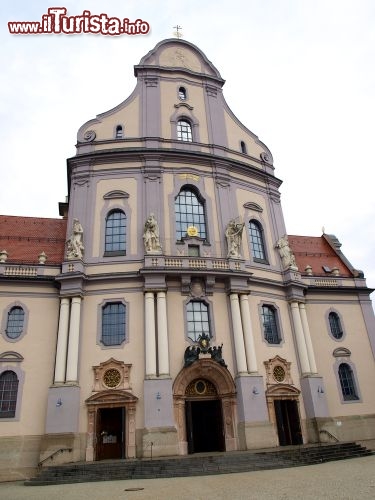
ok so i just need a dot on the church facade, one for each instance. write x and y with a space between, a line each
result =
167 312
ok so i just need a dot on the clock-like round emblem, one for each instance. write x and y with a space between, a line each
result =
192 231
112 378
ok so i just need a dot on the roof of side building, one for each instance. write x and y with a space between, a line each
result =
24 238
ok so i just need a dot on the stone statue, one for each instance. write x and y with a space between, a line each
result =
191 355
233 234
216 355
286 254
151 235
74 244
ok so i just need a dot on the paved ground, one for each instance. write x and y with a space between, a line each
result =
344 480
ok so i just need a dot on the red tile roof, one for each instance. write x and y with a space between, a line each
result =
24 238
316 252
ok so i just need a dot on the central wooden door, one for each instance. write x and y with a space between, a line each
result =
204 426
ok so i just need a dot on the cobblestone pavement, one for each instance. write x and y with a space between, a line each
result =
352 479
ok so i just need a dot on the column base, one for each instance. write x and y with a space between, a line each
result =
63 409
158 403
160 442
314 397
251 399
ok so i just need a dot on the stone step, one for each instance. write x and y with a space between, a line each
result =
197 465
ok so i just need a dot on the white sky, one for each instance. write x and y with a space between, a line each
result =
299 73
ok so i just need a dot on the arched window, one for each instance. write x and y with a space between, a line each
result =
348 388
335 325
115 233
184 131
243 148
189 210
8 394
113 323
198 322
182 93
119 132
257 241
15 322
270 328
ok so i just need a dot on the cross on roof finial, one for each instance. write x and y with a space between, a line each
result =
177 33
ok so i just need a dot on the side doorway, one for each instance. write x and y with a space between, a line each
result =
288 422
110 433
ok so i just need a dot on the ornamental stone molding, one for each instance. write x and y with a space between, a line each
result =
89 136
112 374
278 371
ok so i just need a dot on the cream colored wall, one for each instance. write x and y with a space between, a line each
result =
236 134
356 340
127 116
169 97
127 184
180 57
37 347
265 351
176 325
245 196
93 353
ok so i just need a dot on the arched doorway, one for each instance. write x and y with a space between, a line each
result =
204 396
204 418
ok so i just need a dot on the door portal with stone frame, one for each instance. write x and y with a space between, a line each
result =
220 387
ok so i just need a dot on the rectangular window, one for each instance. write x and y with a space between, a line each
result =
113 324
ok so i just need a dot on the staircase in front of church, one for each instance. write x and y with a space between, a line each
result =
197 465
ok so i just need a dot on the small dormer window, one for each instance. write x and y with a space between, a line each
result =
119 132
243 148
182 93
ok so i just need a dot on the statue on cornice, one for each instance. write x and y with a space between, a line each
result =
233 234
74 244
286 254
151 235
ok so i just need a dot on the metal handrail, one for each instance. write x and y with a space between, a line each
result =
324 431
60 450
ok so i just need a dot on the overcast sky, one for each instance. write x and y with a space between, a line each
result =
300 74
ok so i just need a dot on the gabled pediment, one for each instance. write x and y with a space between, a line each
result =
116 194
11 356
111 397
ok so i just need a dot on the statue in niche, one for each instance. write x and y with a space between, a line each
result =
74 244
286 254
233 234
151 235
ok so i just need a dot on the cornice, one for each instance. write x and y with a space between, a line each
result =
174 155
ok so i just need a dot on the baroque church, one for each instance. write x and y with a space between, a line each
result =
166 311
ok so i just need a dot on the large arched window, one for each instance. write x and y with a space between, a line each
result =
335 325
184 132
8 394
113 323
347 382
189 211
257 241
115 233
15 322
270 327
198 321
